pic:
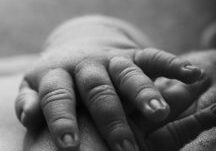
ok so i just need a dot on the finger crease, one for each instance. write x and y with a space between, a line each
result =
56 95
100 91
127 74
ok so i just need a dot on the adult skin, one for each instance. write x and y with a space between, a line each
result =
206 60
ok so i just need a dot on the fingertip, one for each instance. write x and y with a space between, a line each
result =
28 109
192 73
65 133
67 138
156 110
69 141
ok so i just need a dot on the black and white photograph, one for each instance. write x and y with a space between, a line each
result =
108 75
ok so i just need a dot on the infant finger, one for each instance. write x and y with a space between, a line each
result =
176 134
27 107
156 63
134 85
57 100
105 107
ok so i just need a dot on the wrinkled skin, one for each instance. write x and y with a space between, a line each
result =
151 135
206 60
96 62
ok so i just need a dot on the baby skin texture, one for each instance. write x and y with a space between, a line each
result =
101 64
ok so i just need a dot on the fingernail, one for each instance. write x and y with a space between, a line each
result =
157 110
126 145
69 140
198 73
157 104
191 67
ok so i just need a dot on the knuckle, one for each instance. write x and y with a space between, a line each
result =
156 54
161 56
100 93
147 58
94 81
90 75
171 62
116 59
118 63
55 79
56 95
79 66
86 64
143 55
103 104
127 73
53 74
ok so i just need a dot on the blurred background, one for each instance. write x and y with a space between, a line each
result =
173 25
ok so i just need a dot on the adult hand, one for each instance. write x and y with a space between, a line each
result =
204 91
170 137
180 128
206 140
205 95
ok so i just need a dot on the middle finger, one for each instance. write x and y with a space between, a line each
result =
104 105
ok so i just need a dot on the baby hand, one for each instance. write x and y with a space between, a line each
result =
101 77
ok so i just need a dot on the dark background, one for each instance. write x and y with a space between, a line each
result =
174 25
